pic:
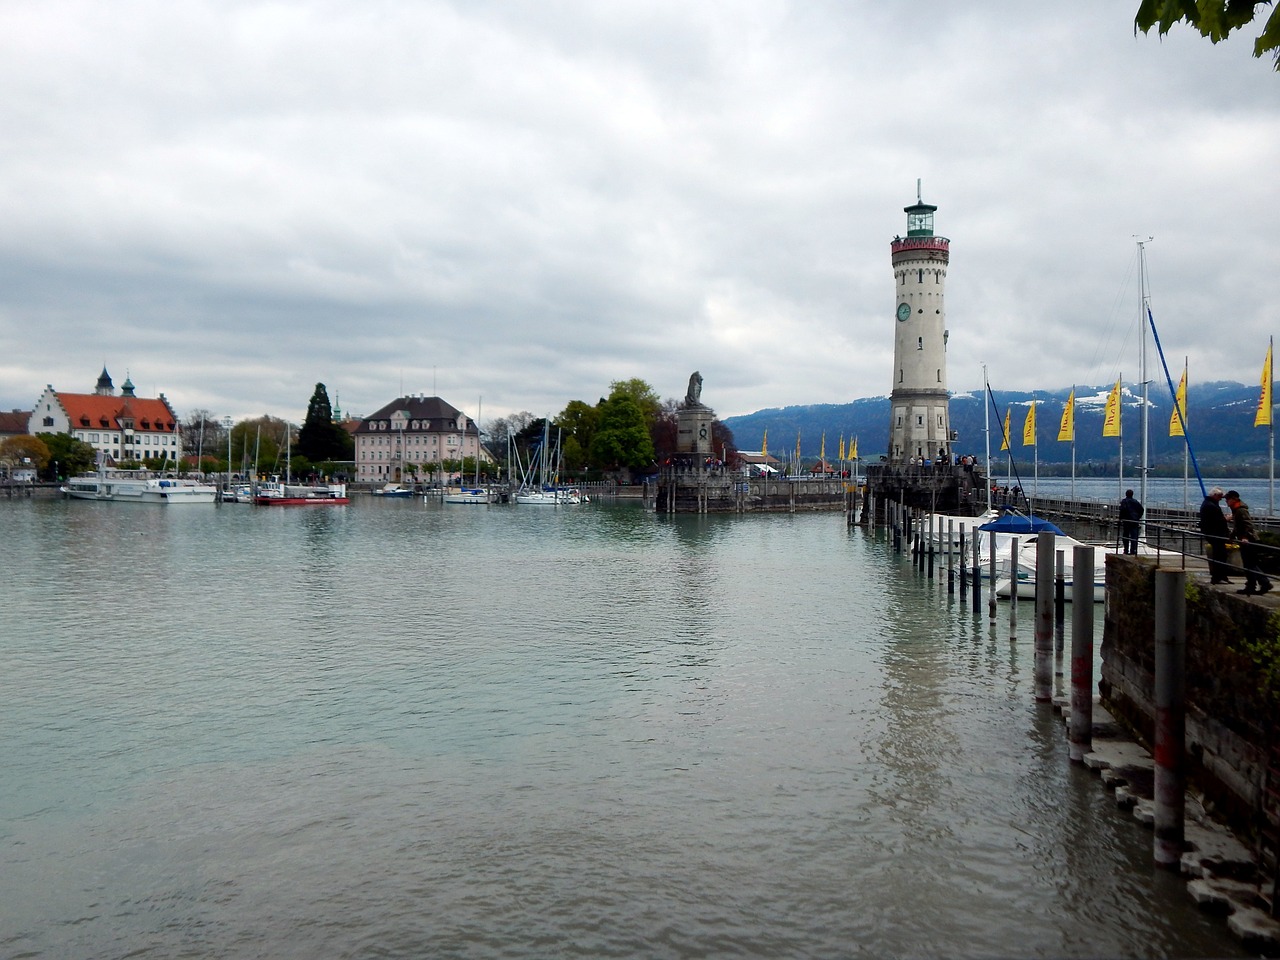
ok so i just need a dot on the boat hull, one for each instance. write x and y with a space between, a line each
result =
472 497
158 491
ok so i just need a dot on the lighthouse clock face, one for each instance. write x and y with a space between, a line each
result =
904 311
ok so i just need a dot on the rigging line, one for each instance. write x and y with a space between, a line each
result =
1105 346
1013 464
1173 392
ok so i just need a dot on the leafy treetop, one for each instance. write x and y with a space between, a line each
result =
1215 19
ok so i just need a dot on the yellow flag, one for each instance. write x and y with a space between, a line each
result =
1029 427
764 444
1178 419
1111 420
822 450
853 449
1004 440
1263 416
797 446
842 446
1067 429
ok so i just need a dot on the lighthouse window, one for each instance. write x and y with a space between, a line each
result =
899 380
920 277
920 421
939 419
939 374
899 419
919 343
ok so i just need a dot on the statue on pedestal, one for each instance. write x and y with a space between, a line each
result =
694 397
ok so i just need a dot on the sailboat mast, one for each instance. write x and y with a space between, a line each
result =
1142 375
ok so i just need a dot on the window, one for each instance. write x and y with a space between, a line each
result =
920 278
899 376
920 420
919 343
48 421
939 374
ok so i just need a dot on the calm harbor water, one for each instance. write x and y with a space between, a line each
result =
406 730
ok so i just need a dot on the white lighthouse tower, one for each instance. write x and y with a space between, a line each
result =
920 426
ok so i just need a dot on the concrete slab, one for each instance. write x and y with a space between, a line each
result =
1222 869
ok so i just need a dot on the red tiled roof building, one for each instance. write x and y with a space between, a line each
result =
120 426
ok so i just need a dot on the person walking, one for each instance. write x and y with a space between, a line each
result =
1130 513
1255 581
1214 529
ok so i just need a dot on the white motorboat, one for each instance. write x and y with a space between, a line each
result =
119 486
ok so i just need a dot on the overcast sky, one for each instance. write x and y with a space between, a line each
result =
523 202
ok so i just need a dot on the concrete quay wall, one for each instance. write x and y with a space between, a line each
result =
1232 682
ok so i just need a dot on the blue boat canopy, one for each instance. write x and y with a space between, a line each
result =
1011 522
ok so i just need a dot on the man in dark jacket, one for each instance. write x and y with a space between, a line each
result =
1130 513
1214 529
1255 581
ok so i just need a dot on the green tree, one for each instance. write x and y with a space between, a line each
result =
73 456
26 450
622 439
578 423
1215 19
646 399
320 438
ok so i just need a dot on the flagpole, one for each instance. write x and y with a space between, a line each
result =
1035 447
1186 450
1120 427
986 406
1142 330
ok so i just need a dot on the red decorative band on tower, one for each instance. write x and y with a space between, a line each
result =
921 248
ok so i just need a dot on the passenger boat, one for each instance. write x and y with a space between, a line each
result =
118 486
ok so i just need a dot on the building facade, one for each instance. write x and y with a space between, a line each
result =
412 438
920 425
121 427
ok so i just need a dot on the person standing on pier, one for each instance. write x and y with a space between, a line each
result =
1130 513
1255 581
1214 529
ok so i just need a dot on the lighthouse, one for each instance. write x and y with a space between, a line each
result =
920 427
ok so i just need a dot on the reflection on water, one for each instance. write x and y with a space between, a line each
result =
404 729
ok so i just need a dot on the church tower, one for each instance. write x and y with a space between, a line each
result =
920 425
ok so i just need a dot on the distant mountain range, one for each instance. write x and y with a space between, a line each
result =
1220 423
